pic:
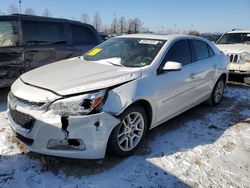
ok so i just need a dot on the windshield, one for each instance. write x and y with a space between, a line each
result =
8 33
129 52
232 38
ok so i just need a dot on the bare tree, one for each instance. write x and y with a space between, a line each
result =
46 13
106 29
97 22
29 11
114 25
122 25
134 26
13 9
130 26
137 25
84 18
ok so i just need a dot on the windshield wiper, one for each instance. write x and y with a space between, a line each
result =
119 65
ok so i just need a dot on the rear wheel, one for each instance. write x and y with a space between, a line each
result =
127 136
217 93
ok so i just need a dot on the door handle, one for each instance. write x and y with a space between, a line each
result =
195 75
192 76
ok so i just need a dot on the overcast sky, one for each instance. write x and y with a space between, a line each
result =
201 15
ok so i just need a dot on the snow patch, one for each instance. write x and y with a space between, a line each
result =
207 150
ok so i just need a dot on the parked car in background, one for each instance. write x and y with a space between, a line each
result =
236 44
27 42
211 37
108 99
104 36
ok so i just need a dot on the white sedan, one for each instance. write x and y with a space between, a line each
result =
107 100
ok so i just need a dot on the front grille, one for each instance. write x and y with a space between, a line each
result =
23 139
233 58
22 119
26 102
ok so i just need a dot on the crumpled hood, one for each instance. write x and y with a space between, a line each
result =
76 75
234 48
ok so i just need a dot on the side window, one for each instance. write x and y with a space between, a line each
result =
8 33
42 33
82 34
210 50
201 50
179 52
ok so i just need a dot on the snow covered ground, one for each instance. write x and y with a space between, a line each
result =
204 147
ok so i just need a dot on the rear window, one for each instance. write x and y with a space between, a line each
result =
201 50
82 34
8 33
210 50
43 33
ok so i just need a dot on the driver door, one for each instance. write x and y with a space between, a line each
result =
175 89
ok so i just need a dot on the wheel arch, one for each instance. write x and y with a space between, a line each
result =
224 76
147 107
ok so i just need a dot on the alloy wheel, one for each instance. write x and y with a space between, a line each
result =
218 91
131 131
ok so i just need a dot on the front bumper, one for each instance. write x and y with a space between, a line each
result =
92 131
241 69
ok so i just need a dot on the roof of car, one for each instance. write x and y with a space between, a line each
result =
40 18
158 36
239 31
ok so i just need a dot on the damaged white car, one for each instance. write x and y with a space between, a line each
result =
109 98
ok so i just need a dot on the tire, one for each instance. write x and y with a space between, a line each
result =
247 80
217 93
127 137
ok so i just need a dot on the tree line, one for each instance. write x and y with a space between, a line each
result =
29 11
117 26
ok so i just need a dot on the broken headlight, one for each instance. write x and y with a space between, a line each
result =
79 105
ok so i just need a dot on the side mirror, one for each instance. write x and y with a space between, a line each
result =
172 66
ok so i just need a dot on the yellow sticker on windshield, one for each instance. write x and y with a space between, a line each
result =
94 51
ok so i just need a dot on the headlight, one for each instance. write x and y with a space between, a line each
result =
79 105
245 56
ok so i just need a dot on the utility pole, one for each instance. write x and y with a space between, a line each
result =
20 6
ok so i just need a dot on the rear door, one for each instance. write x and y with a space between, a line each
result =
11 54
45 42
204 67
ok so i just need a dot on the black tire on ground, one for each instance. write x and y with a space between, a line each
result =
114 147
247 80
215 97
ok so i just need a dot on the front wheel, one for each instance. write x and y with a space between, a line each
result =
217 93
127 136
